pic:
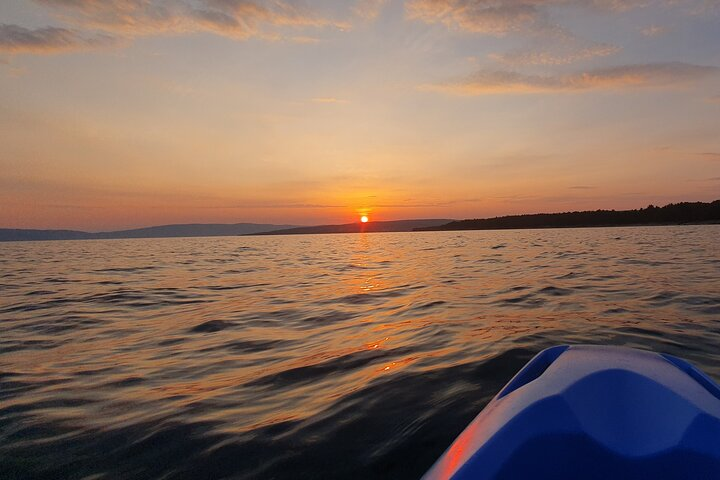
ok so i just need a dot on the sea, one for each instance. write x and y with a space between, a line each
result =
315 356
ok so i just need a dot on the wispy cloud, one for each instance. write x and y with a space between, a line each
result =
15 39
232 18
369 9
698 7
715 156
559 56
411 203
488 17
329 100
243 18
289 20
487 82
654 31
303 39
274 205
498 17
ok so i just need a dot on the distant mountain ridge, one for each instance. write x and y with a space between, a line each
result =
162 231
671 214
369 227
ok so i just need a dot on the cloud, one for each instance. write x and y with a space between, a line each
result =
409 203
369 9
247 18
15 39
232 18
654 31
270 19
477 16
123 16
500 17
611 5
559 56
329 100
698 7
710 155
486 82
302 39
281 205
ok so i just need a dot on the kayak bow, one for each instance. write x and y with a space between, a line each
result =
591 412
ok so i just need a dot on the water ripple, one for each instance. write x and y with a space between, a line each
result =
338 356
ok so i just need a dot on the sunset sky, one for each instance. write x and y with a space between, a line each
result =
128 113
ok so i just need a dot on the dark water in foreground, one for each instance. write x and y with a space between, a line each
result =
338 356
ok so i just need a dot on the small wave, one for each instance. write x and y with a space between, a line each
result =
514 288
569 275
57 280
39 292
256 346
18 346
211 326
615 311
638 261
524 301
130 381
429 305
327 318
152 298
555 291
220 288
126 269
374 296
662 298
310 373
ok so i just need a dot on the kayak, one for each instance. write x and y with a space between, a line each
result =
592 412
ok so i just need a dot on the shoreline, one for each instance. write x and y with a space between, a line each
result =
271 234
562 227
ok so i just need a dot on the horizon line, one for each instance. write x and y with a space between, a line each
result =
293 225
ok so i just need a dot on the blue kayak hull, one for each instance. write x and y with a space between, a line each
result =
590 412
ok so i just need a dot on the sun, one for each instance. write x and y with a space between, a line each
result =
364 219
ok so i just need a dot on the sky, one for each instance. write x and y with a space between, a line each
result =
129 113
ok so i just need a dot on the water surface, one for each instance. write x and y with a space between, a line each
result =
328 356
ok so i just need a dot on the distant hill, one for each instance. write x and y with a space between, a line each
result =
370 227
671 214
195 230
163 231
19 235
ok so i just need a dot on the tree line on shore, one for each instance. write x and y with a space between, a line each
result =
671 214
